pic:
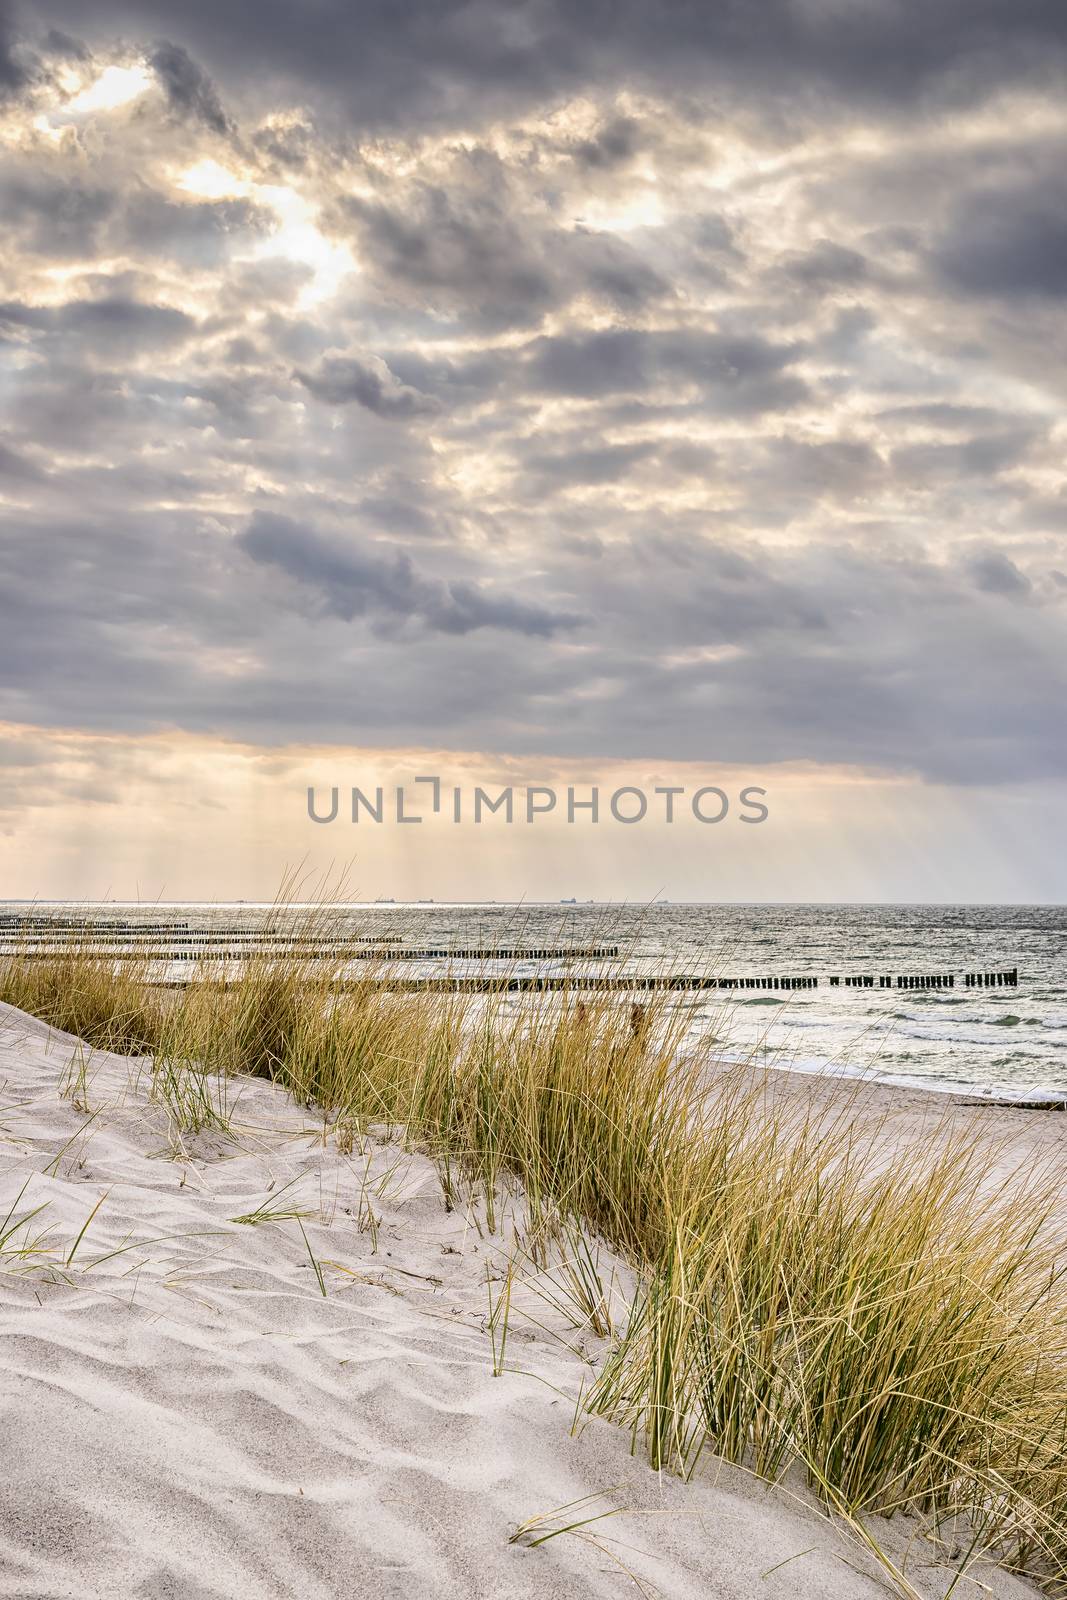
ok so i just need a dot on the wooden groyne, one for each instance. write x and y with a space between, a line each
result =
19 923
511 983
935 980
618 983
64 938
536 983
33 938
171 950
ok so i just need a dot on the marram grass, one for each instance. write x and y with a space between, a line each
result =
892 1322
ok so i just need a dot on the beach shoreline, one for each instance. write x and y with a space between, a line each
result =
192 1416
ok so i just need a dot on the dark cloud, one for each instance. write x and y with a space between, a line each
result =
471 249
451 251
12 74
995 573
412 62
838 468
946 416
56 214
113 324
58 43
53 216
367 380
187 87
577 468
615 144
197 233
1008 241
691 650
710 232
1046 511
355 580
742 374
399 511
289 148
983 456
14 466
826 266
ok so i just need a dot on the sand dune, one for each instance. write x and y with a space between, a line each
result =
186 1414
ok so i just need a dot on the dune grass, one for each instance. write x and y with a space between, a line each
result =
108 1004
893 1324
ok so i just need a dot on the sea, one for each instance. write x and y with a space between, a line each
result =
992 1042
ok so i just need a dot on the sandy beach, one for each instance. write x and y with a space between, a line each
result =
1022 1141
187 1413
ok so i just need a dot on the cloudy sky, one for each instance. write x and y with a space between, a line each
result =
655 391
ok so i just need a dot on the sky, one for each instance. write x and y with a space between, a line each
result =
604 394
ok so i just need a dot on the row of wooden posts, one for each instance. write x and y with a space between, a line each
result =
646 982
173 950
248 938
21 922
886 980
655 981
505 983
971 980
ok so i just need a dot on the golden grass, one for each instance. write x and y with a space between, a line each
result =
893 1324
107 1004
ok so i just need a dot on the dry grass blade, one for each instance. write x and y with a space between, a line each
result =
316 1268
32 1249
85 1229
547 1525
275 1209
